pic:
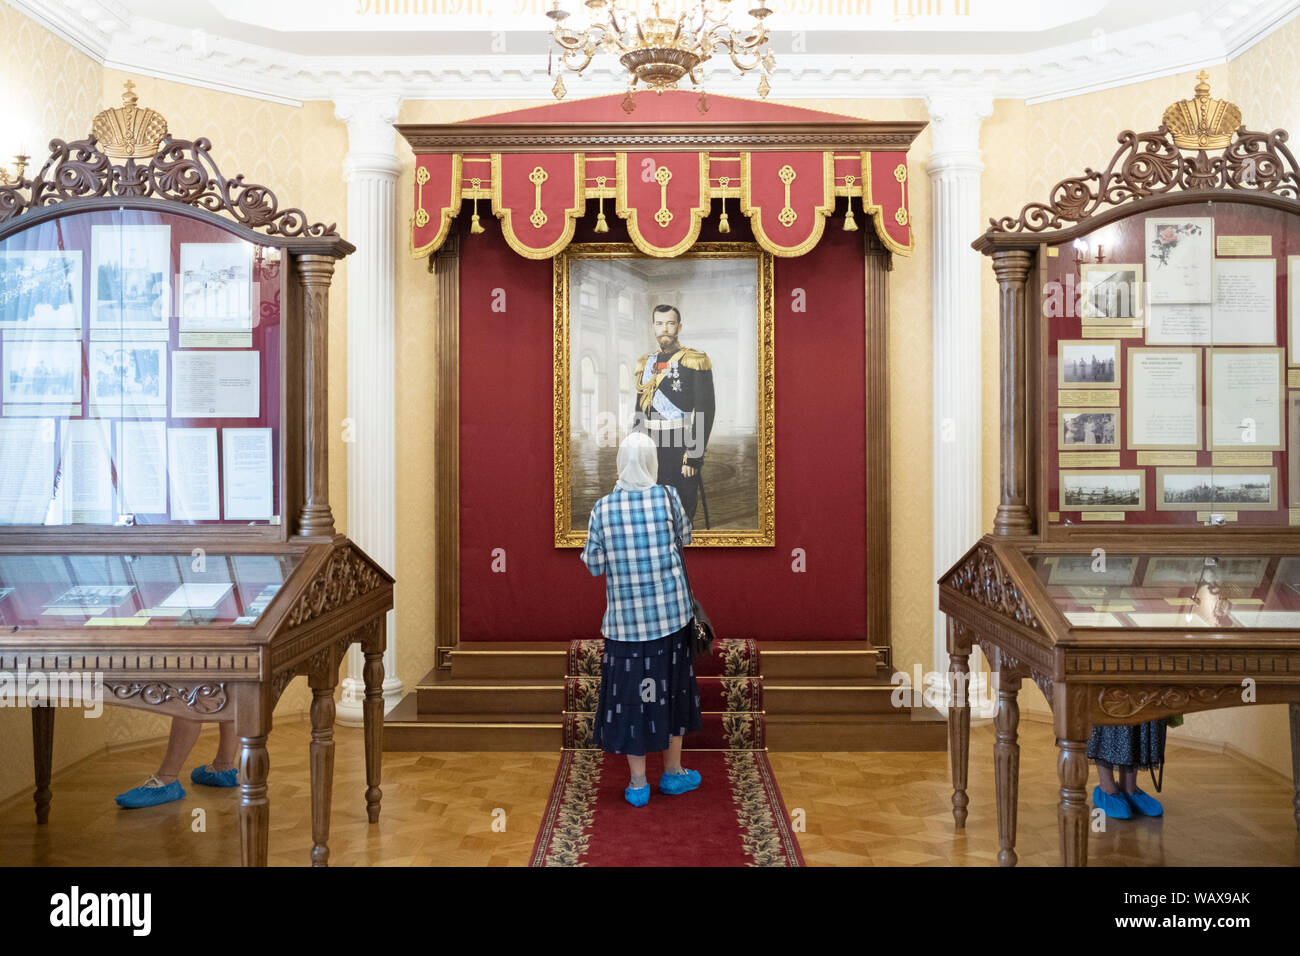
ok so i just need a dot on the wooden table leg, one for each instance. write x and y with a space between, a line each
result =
1006 764
372 712
43 759
1072 812
253 725
322 682
1295 760
959 718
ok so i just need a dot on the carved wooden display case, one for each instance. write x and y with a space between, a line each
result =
1145 555
166 537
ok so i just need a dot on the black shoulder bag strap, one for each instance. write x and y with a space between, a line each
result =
677 539
702 633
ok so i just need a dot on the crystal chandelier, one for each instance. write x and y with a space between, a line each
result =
662 41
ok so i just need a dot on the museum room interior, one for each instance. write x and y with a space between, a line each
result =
334 334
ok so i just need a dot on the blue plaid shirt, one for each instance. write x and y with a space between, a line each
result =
630 541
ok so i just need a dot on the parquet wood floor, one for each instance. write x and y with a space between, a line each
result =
437 809
861 809
894 809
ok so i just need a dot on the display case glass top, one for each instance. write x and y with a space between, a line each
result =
1182 591
156 589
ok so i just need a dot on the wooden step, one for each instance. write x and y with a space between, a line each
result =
798 659
438 693
876 732
480 660
823 696
819 695
405 729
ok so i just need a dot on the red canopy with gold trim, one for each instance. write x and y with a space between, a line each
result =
662 164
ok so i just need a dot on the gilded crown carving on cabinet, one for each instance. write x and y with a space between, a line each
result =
1202 122
131 155
1177 156
129 132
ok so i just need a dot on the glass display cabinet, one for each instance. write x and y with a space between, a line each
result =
165 527
1145 555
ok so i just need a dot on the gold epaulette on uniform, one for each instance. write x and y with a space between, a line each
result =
696 360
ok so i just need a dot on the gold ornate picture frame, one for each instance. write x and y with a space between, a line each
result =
730 481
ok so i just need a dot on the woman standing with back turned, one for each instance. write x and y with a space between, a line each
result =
648 696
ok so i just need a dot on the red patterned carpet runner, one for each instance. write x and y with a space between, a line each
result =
735 818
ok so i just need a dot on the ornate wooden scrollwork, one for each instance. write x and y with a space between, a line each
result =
982 577
181 171
1163 161
1126 702
1017 667
200 698
365 635
345 577
320 661
281 681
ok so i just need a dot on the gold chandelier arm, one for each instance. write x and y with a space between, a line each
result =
571 56
614 34
598 34
570 40
748 42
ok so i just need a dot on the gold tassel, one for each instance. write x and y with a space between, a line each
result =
475 226
724 227
601 224
850 224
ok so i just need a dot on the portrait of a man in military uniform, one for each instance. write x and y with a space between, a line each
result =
675 407
671 348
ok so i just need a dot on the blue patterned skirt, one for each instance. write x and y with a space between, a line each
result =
1134 745
647 694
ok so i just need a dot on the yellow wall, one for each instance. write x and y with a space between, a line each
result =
298 152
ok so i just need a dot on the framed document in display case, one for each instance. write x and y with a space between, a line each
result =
1162 574
165 526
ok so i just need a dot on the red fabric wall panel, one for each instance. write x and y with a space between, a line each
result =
506 470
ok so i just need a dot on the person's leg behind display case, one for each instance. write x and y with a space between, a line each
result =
164 786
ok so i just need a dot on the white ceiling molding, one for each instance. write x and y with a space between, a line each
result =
1212 34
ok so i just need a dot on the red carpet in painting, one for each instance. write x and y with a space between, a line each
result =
735 818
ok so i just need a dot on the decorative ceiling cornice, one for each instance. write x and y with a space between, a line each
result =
107 32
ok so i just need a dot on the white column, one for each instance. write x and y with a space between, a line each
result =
370 170
954 169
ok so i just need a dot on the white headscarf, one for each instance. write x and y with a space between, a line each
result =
638 462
